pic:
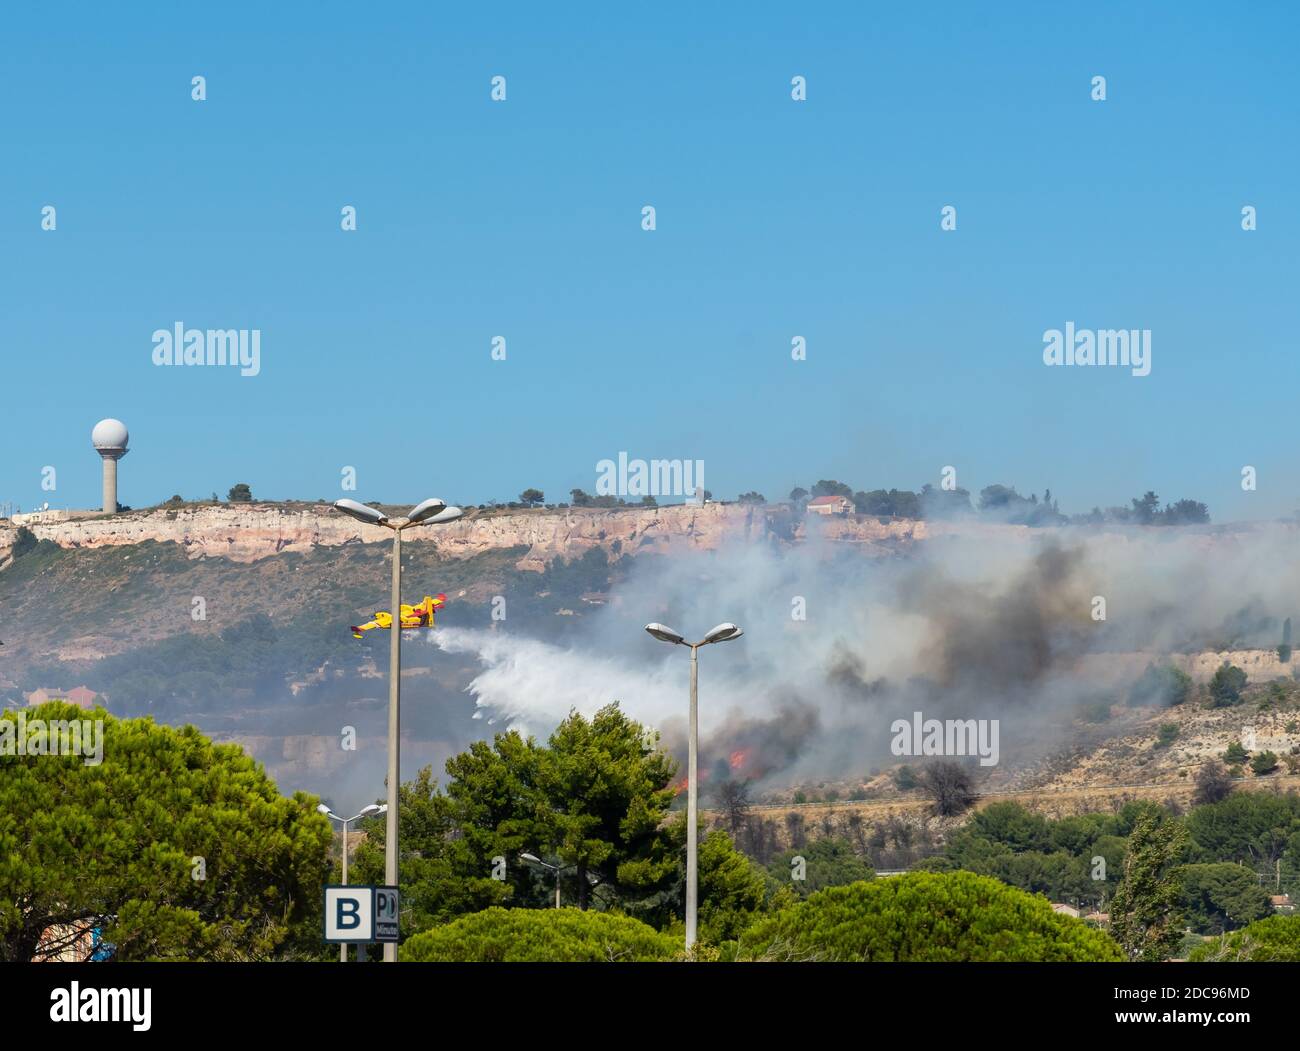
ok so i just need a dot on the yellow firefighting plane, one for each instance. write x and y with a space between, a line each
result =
418 616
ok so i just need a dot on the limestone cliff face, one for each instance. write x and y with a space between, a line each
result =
249 532
256 531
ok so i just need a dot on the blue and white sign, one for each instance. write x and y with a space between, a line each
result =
349 913
387 908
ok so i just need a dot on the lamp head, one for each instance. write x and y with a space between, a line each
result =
425 509
665 634
362 513
447 514
722 633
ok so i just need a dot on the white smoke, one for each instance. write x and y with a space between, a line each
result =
977 623
530 685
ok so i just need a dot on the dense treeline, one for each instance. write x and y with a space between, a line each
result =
1002 503
198 857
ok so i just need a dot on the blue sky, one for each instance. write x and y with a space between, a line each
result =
775 219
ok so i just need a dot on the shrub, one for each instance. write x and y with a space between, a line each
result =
24 541
1160 685
950 787
925 917
1273 940
1095 712
1226 686
1264 763
567 935
1167 734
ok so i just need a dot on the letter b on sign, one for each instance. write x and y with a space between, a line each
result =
349 914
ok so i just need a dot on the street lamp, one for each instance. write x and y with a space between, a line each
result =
557 869
427 512
373 810
554 868
722 633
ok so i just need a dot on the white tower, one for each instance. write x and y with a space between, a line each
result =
109 439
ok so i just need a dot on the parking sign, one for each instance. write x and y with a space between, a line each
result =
386 914
350 914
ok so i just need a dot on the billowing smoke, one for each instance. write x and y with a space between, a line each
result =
977 623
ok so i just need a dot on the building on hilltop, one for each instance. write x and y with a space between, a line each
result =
81 696
830 505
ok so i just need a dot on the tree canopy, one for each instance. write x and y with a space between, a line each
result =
175 847
1221 897
563 935
925 917
1226 686
592 799
1145 915
1272 940
827 862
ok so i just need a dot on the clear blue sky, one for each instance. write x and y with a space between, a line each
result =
775 219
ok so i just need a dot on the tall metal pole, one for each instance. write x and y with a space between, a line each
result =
343 949
394 687
692 800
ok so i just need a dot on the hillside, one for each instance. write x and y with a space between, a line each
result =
235 618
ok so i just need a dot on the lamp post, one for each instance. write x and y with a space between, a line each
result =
427 512
554 868
722 633
373 810
592 880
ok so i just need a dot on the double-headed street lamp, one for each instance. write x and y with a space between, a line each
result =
427 512
558 869
554 868
373 810
722 633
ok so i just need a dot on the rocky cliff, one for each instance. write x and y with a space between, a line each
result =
256 531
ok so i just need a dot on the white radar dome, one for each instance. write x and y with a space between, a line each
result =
109 434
